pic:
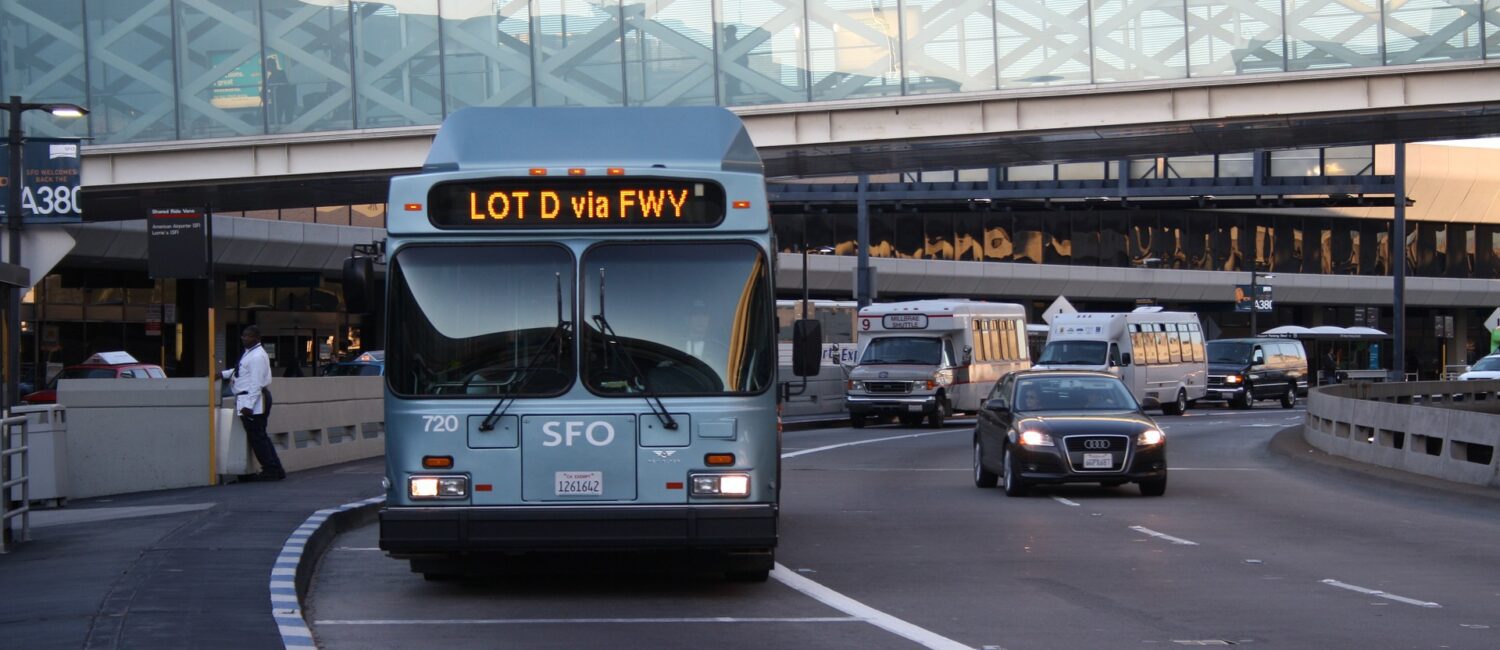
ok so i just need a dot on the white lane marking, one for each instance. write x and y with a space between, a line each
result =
921 636
593 621
889 469
1376 592
1175 540
356 548
836 600
1066 502
1212 469
815 450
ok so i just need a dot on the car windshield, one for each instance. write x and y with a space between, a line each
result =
677 319
1487 363
468 320
1073 353
915 350
87 373
1225 352
1043 394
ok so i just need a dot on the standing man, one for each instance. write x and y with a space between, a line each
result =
250 378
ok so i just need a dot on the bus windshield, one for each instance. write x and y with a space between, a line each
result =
913 350
685 319
470 321
1073 353
1221 352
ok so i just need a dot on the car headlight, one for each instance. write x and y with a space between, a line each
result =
437 487
1233 379
1036 439
856 385
1150 437
720 485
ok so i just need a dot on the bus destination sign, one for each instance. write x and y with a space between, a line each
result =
544 202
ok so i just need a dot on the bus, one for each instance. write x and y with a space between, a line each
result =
823 397
581 344
926 359
1158 354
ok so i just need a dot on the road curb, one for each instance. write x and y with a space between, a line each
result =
293 570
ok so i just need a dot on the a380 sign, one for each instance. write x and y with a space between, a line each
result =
50 173
50 200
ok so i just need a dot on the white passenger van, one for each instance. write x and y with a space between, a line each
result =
1158 354
930 358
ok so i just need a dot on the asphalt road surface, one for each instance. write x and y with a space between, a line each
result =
886 543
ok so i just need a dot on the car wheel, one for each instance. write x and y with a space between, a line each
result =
1289 398
982 477
1154 487
935 418
857 421
1015 486
1245 399
1178 406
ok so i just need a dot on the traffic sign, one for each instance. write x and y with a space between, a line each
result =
1058 307
1493 321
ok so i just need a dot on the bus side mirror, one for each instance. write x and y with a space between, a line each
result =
807 347
1124 359
359 285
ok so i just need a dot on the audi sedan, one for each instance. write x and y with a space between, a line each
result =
1048 427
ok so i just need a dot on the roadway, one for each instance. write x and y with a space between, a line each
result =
886 543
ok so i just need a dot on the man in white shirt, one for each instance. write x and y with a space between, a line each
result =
249 379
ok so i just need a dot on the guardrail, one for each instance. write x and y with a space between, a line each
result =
10 507
1444 429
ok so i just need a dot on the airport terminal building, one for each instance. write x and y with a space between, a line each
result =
285 119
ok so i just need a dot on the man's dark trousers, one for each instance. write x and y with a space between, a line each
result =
260 443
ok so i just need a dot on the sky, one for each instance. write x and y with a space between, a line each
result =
1492 143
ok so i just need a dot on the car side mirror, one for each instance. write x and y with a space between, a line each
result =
807 347
1124 359
997 404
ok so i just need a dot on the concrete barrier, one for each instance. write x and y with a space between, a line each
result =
1444 429
129 435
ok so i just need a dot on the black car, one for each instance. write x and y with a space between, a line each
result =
1067 427
1243 371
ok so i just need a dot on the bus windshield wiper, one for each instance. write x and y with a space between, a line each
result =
553 345
612 348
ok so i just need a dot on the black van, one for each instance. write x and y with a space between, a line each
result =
1241 371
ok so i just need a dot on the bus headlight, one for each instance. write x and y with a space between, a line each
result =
1150 437
720 485
437 487
1036 439
855 385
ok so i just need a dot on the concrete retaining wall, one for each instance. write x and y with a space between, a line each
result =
1444 429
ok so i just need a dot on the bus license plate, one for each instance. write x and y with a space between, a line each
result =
1098 461
572 484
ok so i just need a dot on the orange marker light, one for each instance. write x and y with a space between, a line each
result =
576 171
414 207
538 171
741 205
718 459
437 462
616 171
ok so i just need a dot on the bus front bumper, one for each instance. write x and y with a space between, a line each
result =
414 530
861 405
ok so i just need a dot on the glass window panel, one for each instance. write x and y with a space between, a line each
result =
1085 238
911 240
1317 246
762 53
819 232
949 45
1235 37
578 53
300 215
1142 238
1332 34
669 56
1423 31
998 246
1296 162
1487 253
1228 254
487 54
1349 161
1057 241
1030 173
882 234
788 231
41 50
1344 247
1042 42
369 215
1263 241
968 236
1190 167
1288 249
939 233
1080 171
1375 247
1145 168
853 46
132 98
1427 249
1173 235
1196 244
1028 239
1492 30
307 67
219 69
1114 248
1460 250
337 215
1236 165
396 64
846 230
1135 40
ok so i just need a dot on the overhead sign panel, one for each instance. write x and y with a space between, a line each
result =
51 170
547 202
1243 301
177 243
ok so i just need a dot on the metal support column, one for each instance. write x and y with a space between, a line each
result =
862 288
1398 270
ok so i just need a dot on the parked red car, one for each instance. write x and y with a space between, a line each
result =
104 365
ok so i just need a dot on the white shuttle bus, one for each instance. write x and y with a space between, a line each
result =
926 359
1158 354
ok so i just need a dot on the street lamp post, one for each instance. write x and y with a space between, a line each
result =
14 109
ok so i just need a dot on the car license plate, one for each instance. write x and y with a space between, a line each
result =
1098 461
914 408
572 484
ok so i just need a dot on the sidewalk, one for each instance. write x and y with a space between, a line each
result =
183 568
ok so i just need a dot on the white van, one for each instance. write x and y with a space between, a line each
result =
1158 354
930 358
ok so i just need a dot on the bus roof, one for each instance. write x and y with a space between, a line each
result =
680 137
935 307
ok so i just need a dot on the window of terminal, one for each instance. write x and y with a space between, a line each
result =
571 202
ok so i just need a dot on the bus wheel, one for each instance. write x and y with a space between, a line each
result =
749 567
1178 406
